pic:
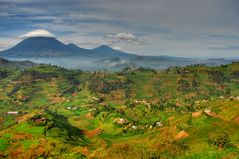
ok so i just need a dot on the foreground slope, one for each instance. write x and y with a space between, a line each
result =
182 112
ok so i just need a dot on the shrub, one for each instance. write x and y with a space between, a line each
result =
221 140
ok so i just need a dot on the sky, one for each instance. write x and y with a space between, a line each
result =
189 28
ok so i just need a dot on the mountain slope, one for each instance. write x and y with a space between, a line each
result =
16 64
106 51
51 47
41 47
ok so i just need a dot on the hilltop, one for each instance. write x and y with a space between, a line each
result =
16 64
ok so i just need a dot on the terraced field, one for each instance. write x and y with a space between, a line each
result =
181 112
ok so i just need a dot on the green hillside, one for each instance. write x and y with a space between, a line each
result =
182 112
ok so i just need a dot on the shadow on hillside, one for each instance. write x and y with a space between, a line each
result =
74 135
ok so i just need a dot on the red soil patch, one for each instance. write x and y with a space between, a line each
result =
38 151
22 136
92 133
212 114
196 114
22 118
74 94
89 116
83 150
181 135
16 154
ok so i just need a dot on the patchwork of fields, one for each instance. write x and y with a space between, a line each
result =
182 112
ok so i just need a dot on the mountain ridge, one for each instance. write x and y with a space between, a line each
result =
51 47
16 64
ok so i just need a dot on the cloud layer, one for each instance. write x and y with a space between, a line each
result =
152 27
37 33
125 37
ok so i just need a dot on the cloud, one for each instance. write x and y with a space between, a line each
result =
177 28
37 33
225 48
117 48
125 37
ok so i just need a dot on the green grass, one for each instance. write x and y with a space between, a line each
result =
26 128
68 134
8 122
3 144
28 143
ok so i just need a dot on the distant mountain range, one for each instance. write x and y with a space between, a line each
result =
50 50
51 47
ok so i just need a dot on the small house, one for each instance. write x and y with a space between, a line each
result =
13 113
74 108
121 121
209 112
159 123
68 108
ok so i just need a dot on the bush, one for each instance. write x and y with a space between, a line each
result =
183 85
221 140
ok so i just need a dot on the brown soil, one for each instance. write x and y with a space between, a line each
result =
181 135
57 99
236 119
22 136
74 94
92 133
89 116
22 118
196 114
52 85
212 114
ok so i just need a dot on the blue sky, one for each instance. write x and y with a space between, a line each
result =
193 28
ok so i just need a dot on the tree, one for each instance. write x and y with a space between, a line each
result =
228 92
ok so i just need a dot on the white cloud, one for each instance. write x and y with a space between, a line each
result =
37 33
125 37
117 48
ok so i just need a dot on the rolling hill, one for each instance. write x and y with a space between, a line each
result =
16 64
182 112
